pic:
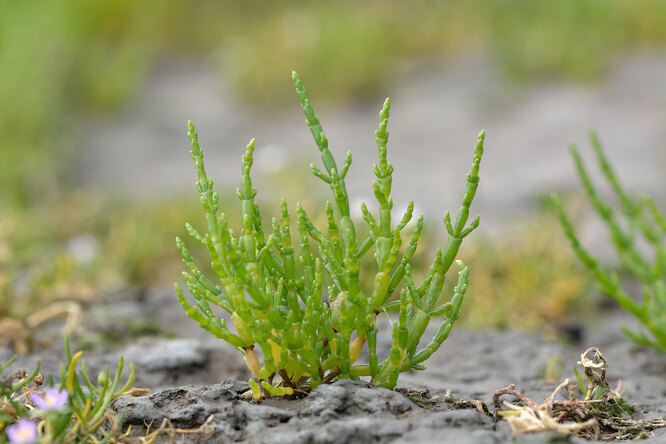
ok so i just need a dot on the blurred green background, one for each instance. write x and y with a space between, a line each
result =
65 60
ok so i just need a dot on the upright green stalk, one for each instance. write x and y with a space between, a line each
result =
641 218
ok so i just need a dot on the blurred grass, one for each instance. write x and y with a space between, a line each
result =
60 60
576 40
84 247
528 280
63 62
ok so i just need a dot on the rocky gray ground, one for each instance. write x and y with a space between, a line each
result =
192 381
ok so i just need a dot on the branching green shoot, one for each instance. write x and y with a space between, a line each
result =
632 220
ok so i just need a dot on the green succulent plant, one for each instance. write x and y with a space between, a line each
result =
631 222
308 312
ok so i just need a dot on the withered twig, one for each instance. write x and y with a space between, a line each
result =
510 390
285 378
332 374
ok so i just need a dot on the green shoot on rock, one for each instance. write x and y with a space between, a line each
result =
77 412
643 220
307 312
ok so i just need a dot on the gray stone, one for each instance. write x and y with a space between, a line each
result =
463 418
350 397
346 411
454 426
165 354
348 430
6 354
186 407
440 435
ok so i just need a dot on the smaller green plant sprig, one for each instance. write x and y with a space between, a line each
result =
88 401
307 313
77 412
632 220
11 407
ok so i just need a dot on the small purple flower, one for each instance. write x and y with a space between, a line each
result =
23 432
53 399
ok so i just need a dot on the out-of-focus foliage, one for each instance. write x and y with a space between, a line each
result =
637 231
528 280
56 258
59 59
114 243
62 60
568 39
354 51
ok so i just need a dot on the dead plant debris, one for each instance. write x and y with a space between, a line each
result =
602 414
422 398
